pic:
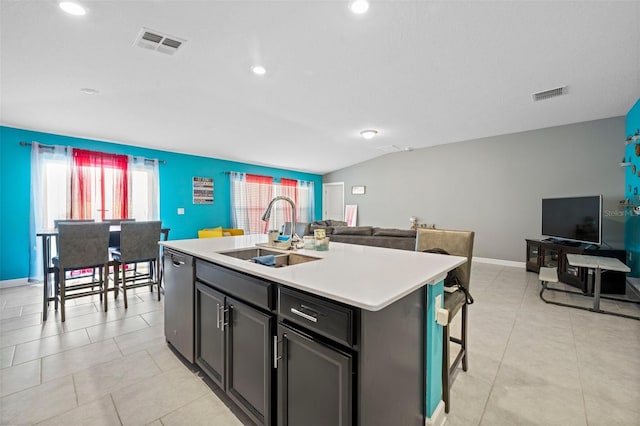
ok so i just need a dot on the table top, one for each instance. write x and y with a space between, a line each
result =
367 277
112 228
588 261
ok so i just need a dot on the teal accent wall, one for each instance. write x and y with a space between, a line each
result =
433 350
632 192
175 190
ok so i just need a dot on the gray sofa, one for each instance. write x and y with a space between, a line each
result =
337 231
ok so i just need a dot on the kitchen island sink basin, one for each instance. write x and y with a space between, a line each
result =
281 259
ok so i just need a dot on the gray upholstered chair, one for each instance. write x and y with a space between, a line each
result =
80 245
138 244
114 237
458 243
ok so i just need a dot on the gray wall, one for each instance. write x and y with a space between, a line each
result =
494 186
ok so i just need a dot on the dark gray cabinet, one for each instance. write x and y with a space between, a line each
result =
249 368
234 344
288 357
314 381
209 333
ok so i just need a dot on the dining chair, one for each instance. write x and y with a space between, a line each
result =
114 237
81 245
138 244
458 243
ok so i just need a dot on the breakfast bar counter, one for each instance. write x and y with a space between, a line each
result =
362 276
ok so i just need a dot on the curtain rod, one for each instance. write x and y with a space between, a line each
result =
300 180
23 143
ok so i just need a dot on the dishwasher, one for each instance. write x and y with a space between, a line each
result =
178 302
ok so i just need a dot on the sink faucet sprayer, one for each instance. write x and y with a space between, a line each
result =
293 238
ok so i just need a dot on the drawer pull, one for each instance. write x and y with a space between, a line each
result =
303 315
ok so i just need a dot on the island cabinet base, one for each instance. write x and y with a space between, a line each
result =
391 379
294 358
339 365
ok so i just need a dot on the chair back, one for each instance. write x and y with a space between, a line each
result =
114 238
139 241
82 244
457 243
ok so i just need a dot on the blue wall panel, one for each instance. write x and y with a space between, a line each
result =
632 192
175 190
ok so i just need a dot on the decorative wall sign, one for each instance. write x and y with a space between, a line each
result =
202 190
358 190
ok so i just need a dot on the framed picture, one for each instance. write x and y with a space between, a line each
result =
202 190
358 190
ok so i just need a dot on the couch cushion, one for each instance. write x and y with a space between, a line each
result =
352 230
335 223
394 232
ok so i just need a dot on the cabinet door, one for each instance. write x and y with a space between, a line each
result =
210 343
533 256
314 382
250 360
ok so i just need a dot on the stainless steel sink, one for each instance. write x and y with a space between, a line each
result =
250 253
282 259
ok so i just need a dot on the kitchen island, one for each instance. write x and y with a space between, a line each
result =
346 337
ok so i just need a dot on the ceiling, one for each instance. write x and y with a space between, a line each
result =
422 73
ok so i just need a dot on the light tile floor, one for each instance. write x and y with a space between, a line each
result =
529 363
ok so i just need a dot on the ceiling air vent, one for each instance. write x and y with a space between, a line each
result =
551 93
389 148
155 40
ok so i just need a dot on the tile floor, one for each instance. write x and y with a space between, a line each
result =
529 363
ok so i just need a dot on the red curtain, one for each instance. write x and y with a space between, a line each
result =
289 188
102 179
259 193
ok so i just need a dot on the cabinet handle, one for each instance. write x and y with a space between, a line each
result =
223 320
275 352
217 315
303 315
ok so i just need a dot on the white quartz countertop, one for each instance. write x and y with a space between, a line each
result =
366 277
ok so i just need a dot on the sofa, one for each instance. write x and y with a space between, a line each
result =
339 232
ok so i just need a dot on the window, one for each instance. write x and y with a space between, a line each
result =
251 194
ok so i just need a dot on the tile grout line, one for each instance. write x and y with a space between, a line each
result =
584 401
115 407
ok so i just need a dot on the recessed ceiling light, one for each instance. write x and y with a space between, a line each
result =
369 134
89 91
259 70
72 8
359 6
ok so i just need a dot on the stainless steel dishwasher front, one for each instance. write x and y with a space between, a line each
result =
178 302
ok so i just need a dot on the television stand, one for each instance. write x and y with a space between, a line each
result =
553 254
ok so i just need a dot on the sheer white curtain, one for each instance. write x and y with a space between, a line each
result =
306 201
49 198
239 203
144 188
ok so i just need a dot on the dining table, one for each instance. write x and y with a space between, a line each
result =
47 235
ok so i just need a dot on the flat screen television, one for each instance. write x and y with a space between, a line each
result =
573 218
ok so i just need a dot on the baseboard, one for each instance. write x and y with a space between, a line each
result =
511 263
438 418
14 283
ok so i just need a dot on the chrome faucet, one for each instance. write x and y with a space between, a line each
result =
293 238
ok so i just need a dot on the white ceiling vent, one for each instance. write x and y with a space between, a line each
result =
548 94
389 148
155 40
